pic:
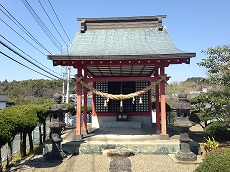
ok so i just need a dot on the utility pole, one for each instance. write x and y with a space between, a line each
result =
63 89
63 86
67 85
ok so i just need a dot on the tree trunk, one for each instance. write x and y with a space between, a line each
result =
24 144
44 131
21 144
40 134
9 153
31 141
1 159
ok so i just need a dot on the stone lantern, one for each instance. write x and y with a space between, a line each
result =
183 111
56 112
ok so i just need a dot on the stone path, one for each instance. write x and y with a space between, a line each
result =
100 163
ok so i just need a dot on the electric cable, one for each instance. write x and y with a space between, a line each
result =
16 22
59 20
11 49
52 22
42 25
27 54
24 65
22 37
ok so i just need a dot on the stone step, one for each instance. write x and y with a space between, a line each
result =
97 147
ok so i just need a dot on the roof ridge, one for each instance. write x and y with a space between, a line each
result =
124 22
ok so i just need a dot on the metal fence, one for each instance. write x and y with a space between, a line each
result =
16 141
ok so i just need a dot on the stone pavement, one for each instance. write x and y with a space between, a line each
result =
101 163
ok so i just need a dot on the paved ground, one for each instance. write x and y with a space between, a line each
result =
101 163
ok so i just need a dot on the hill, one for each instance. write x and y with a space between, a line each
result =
31 91
38 91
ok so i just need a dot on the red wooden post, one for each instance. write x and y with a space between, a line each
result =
158 125
79 103
85 105
164 134
93 106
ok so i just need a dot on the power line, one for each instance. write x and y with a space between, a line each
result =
27 54
58 20
52 22
22 37
13 19
24 65
11 49
42 25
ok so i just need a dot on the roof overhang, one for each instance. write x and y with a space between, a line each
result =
123 67
122 46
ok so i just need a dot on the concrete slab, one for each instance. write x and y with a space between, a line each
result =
198 161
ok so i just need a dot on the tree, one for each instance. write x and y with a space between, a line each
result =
42 116
7 131
218 100
218 65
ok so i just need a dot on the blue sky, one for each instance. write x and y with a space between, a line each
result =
193 26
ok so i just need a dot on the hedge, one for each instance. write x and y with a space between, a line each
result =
217 161
218 130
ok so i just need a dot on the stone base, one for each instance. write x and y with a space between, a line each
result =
52 152
197 161
118 152
78 137
164 136
186 156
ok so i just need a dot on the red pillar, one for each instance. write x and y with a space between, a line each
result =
79 103
85 106
93 107
164 134
158 122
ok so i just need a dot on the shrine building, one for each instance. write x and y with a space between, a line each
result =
122 61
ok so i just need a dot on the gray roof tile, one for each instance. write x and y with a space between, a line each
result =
3 98
115 42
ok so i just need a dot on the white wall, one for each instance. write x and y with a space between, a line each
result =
2 105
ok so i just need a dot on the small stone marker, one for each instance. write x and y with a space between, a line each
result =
120 160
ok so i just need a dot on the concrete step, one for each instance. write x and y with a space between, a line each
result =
122 124
97 147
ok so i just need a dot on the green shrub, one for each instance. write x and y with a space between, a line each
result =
217 161
218 130
210 144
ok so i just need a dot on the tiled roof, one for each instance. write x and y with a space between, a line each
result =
3 98
138 41
109 40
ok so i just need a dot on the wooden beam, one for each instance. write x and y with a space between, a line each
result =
158 62
104 79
